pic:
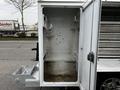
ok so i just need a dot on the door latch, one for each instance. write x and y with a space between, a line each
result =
90 57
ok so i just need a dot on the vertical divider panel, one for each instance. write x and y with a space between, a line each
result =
40 39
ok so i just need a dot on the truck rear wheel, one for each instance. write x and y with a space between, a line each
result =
111 84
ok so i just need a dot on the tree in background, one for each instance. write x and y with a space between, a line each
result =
21 5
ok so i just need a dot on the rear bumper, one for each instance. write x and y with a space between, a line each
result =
29 76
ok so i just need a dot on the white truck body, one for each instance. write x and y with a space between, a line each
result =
8 25
68 37
75 49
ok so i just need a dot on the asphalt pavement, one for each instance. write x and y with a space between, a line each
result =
13 55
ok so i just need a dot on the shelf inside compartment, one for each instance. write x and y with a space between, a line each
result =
59 69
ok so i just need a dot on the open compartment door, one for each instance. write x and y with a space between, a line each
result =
89 27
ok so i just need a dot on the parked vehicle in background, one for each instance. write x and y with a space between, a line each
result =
9 27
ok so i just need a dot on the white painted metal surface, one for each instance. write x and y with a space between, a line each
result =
65 44
88 38
65 3
28 75
40 40
112 0
54 4
90 29
94 45
60 46
108 65
85 48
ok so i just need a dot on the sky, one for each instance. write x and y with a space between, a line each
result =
9 12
